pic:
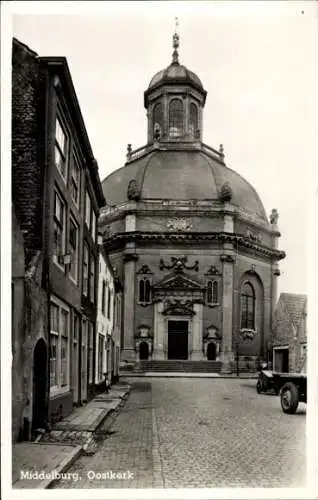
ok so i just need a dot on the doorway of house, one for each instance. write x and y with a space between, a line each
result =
211 351
281 360
178 339
39 416
143 350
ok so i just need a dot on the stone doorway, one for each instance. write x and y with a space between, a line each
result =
39 416
281 360
211 351
178 339
143 350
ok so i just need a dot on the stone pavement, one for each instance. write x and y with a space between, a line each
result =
33 464
197 433
72 436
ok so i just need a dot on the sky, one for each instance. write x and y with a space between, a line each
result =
257 61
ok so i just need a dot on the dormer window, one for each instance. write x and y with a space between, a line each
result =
176 118
193 121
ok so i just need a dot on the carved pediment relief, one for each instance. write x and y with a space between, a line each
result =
179 264
144 270
256 237
213 271
178 307
143 332
179 282
179 224
212 333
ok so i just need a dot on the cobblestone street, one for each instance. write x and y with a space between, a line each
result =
198 433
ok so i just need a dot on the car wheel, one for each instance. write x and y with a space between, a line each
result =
289 398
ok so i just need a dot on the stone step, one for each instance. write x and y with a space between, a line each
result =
180 366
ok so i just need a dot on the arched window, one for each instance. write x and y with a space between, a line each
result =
144 296
212 292
176 118
157 120
193 122
248 307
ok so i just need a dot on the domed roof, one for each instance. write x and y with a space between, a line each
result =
175 73
180 175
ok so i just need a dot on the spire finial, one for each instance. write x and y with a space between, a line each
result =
175 44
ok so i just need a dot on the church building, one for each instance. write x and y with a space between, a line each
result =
190 239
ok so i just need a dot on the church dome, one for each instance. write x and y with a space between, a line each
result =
175 164
175 73
181 175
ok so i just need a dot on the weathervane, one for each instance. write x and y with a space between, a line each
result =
175 38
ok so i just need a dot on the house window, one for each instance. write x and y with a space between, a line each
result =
75 181
73 241
92 279
59 347
248 307
100 357
59 229
64 348
75 327
90 216
212 292
176 118
90 351
157 120
144 289
88 205
60 148
193 121
103 296
118 311
85 270
109 299
93 226
54 345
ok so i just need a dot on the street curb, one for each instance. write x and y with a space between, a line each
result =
216 376
64 466
80 449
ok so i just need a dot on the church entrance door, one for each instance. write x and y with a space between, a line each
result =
211 354
143 350
178 339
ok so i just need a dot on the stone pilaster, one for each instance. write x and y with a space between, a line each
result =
228 223
130 258
228 259
227 306
159 332
130 222
197 333
129 307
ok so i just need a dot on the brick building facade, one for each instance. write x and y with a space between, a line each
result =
190 238
57 196
289 336
109 320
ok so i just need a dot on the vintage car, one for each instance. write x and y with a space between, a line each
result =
291 386
266 382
